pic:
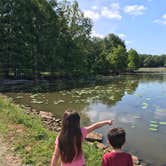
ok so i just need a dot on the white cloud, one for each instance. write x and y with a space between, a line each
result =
95 8
115 6
164 16
135 10
122 36
111 12
162 20
92 14
94 34
128 42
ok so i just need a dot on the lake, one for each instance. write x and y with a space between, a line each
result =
135 102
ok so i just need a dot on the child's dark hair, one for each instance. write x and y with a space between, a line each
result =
117 137
70 137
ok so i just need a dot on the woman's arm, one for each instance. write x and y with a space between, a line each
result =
98 125
55 156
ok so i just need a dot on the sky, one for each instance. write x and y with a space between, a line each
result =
140 23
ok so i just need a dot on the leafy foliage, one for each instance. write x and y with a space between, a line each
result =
133 60
40 36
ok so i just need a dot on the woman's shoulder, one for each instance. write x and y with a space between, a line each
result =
84 132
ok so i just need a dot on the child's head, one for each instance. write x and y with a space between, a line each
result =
71 120
117 137
70 137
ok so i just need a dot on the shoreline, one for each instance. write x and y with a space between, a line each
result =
54 124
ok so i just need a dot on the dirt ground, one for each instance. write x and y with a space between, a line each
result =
7 157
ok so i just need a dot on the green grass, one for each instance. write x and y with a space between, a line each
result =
153 69
30 139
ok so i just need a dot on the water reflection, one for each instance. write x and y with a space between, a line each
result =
133 101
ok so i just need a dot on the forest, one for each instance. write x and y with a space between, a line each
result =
46 38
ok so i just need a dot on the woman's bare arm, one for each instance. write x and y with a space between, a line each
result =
98 125
55 156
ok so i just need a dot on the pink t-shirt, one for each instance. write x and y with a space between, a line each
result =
78 161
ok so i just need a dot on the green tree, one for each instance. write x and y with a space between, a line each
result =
133 60
76 36
118 59
165 62
148 61
95 48
109 44
7 43
112 41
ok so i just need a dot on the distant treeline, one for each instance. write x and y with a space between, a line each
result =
152 60
49 38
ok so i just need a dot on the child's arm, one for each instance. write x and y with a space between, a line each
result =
98 125
55 156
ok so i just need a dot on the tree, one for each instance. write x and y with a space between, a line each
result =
76 36
7 37
109 45
95 48
148 62
165 62
133 60
52 36
112 41
118 59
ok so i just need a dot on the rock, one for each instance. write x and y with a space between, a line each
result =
101 146
58 120
58 129
136 160
45 115
94 137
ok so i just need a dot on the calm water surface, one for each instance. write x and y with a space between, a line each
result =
136 103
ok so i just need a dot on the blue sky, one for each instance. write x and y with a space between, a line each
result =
141 23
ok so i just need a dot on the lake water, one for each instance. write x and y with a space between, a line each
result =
135 102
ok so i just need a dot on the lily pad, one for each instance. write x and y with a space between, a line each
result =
139 95
161 110
145 105
153 121
112 98
162 123
154 125
153 129
59 101
19 97
133 126
37 102
34 95
137 117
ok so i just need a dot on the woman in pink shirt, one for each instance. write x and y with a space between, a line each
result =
68 144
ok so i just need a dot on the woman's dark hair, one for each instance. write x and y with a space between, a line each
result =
70 137
116 137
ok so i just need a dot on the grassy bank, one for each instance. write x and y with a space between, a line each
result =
152 70
28 137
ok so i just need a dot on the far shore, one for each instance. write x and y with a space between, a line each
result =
151 70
